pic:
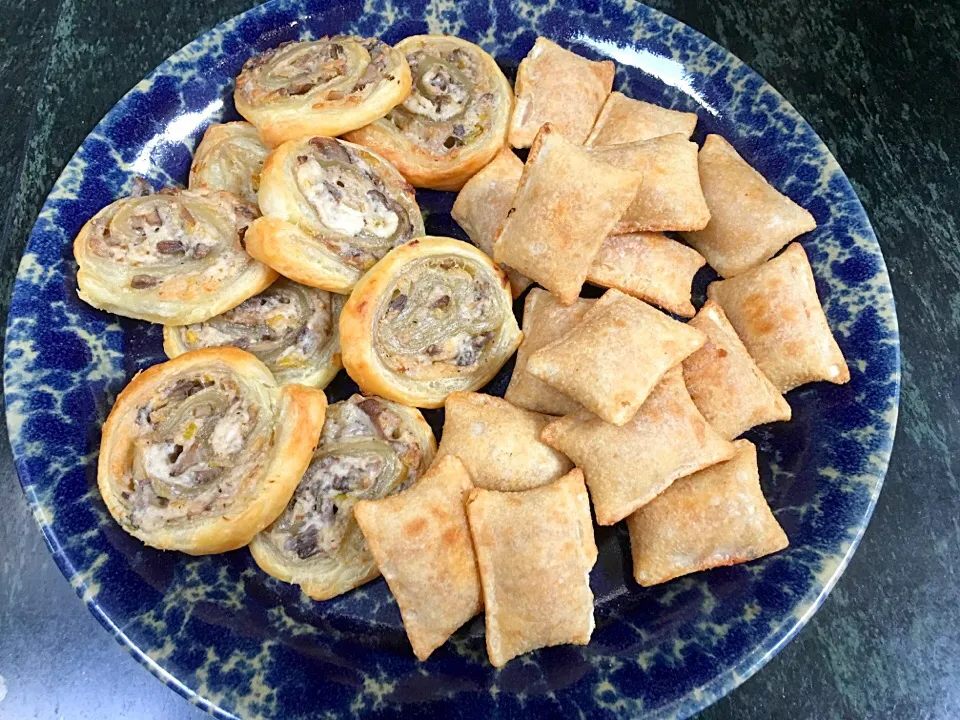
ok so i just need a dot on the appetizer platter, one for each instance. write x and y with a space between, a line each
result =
395 361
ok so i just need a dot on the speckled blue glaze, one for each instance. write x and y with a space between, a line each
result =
239 643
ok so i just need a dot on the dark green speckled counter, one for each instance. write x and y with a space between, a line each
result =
877 80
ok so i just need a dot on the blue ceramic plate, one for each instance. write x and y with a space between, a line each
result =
237 642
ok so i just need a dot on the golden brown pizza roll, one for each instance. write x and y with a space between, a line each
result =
535 549
725 383
625 120
712 518
370 448
776 312
566 204
293 329
611 360
669 198
749 219
421 542
229 157
483 203
453 122
323 87
627 466
649 266
174 257
332 210
433 317
545 319
498 443
202 452
559 87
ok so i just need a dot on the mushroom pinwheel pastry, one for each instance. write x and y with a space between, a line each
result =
333 209
292 328
174 257
369 449
433 317
453 122
230 157
323 87
202 452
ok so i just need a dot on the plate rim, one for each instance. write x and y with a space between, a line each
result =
685 706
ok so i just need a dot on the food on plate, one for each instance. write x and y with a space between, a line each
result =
712 518
612 359
421 543
557 86
202 452
625 120
498 443
724 382
331 211
750 220
453 122
648 266
669 198
322 87
291 328
369 448
174 257
231 442
777 314
535 549
565 206
433 317
628 466
545 319
229 157
483 203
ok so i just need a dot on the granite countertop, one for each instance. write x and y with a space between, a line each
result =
877 80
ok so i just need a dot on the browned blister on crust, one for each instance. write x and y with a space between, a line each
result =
483 202
498 443
545 319
725 383
648 266
535 550
421 542
567 203
750 220
613 358
777 314
627 466
559 87
713 518
625 120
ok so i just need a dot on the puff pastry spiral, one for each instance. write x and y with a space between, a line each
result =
453 122
433 317
321 87
230 157
332 210
292 328
370 448
202 452
174 257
